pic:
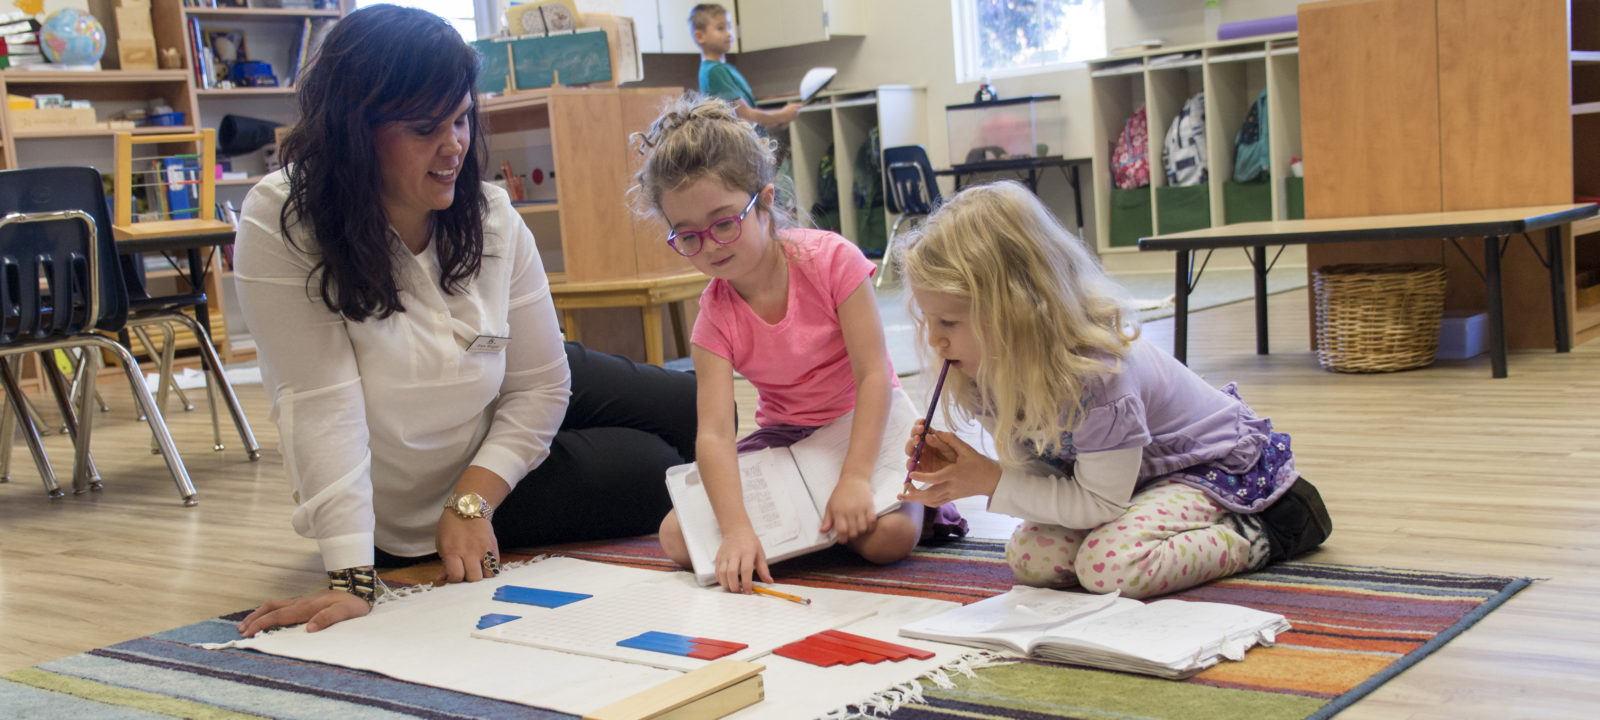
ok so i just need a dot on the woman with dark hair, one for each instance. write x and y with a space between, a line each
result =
425 401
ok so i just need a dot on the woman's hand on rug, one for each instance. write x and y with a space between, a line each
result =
316 611
961 472
463 543
739 558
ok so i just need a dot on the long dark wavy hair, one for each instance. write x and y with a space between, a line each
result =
379 65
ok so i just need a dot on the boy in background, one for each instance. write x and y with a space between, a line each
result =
709 23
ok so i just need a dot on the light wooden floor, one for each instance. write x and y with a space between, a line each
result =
1442 468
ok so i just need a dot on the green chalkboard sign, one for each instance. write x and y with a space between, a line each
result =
579 58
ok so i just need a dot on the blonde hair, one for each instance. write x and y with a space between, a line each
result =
698 136
701 15
1043 311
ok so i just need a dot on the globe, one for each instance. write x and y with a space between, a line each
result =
73 37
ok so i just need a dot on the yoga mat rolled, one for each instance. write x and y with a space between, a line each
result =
1264 26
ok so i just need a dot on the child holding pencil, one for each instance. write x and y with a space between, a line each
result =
789 309
1130 471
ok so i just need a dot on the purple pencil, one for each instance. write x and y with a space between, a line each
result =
916 455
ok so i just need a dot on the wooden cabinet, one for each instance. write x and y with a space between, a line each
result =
767 24
578 141
1435 105
663 25
1232 75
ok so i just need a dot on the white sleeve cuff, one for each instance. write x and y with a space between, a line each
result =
503 462
346 551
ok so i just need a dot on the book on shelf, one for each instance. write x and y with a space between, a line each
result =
21 60
1170 638
786 492
15 28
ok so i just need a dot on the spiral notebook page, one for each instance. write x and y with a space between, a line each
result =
594 626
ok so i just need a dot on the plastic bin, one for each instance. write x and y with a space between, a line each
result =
164 120
1021 127
1296 187
1130 217
1378 317
1246 202
1182 208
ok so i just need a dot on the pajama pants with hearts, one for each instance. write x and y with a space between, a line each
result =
1172 537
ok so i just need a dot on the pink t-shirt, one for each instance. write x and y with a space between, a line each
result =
799 366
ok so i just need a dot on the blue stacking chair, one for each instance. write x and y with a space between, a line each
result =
61 287
911 192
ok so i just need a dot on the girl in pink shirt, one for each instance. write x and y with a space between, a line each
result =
792 311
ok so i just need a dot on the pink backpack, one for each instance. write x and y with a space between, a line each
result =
1130 161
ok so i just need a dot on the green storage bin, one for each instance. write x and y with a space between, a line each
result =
1130 217
1183 208
1297 198
1246 202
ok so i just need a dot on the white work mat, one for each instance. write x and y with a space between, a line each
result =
426 638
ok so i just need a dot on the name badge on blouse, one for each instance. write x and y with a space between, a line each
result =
488 344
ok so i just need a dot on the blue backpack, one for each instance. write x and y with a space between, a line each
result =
1251 154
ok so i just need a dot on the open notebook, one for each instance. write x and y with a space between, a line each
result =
786 491
1166 638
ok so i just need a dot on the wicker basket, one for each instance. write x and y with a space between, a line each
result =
1378 318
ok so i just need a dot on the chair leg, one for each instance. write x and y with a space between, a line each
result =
169 352
169 451
78 360
84 475
888 249
30 432
8 438
214 364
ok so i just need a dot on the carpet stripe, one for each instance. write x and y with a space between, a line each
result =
123 698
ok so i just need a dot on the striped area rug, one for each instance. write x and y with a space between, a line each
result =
1354 628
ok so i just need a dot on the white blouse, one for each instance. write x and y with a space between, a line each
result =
378 419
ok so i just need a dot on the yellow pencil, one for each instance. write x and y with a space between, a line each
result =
782 595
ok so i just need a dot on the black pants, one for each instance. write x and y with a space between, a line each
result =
605 476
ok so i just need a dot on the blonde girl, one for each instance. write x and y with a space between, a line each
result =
1130 472
792 311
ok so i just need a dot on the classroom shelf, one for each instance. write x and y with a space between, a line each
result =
242 92
535 208
94 77
253 179
223 12
100 132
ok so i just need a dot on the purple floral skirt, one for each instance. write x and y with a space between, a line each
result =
1252 490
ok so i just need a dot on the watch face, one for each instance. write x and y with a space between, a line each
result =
469 505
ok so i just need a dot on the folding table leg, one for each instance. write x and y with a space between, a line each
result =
1497 314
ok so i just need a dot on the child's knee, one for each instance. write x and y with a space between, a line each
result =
671 538
1041 555
1101 574
892 539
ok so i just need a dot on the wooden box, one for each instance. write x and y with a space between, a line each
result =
52 119
137 53
134 22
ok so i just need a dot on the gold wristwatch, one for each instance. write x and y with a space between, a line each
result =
470 506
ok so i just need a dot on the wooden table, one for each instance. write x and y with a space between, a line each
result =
648 293
1494 226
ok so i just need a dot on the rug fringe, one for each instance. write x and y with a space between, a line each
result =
889 700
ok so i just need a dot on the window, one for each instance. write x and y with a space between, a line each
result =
997 38
460 13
